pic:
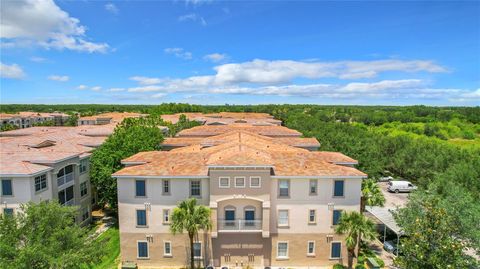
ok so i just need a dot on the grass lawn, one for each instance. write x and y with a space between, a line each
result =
112 247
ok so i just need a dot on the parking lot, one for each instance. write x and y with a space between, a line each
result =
392 200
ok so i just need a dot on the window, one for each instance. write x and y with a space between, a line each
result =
336 216
283 188
313 187
312 216
8 211
336 252
41 182
65 175
224 182
167 248
239 182
282 250
283 217
83 166
311 248
255 182
83 189
197 250
85 213
141 217
166 186
140 188
195 187
166 216
65 197
338 188
7 187
142 249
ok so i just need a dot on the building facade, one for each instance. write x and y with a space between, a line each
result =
274 199
29 119
49 163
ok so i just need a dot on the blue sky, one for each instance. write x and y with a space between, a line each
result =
210 52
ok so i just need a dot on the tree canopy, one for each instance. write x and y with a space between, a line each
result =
45 235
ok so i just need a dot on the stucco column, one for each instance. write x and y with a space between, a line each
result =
213 217
266 219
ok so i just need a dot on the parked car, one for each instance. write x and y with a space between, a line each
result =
385 179
390 246
401 186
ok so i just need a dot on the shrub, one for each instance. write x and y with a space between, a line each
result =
338 266
360 266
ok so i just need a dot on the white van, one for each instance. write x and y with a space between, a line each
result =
401 186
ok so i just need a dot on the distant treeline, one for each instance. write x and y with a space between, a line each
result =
376 115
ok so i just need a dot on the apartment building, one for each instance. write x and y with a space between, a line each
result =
108 118
46 163
274 199
224 118
29 119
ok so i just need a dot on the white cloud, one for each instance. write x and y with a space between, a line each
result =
82 87
150 88
13 71
197 2
146 80
38 59
59 78
112 8
96 88
43 23
159 95
116 90
179 52
192 17
215 57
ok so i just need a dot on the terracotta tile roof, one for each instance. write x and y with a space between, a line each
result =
114 116
31 150
211 130
242 149
226 118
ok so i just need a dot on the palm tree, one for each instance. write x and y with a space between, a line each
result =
356 227
192 218
371 194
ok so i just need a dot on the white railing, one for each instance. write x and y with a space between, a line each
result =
64 179
68 203
239 225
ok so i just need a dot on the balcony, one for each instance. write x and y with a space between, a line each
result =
65 179
239 225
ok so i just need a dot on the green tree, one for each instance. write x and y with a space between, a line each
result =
434 237
8 127
356 228
72 120
45 235
130 137
371 194
191 218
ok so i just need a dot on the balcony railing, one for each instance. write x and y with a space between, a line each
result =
239 225
69 203
64 179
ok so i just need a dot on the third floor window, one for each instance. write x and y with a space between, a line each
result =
140 188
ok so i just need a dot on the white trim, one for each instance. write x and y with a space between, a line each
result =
314 216
240 186
322 177
161 177
165 254
148 250
278 218
282 257
308 248
259 182
169 215
220 182
132 163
